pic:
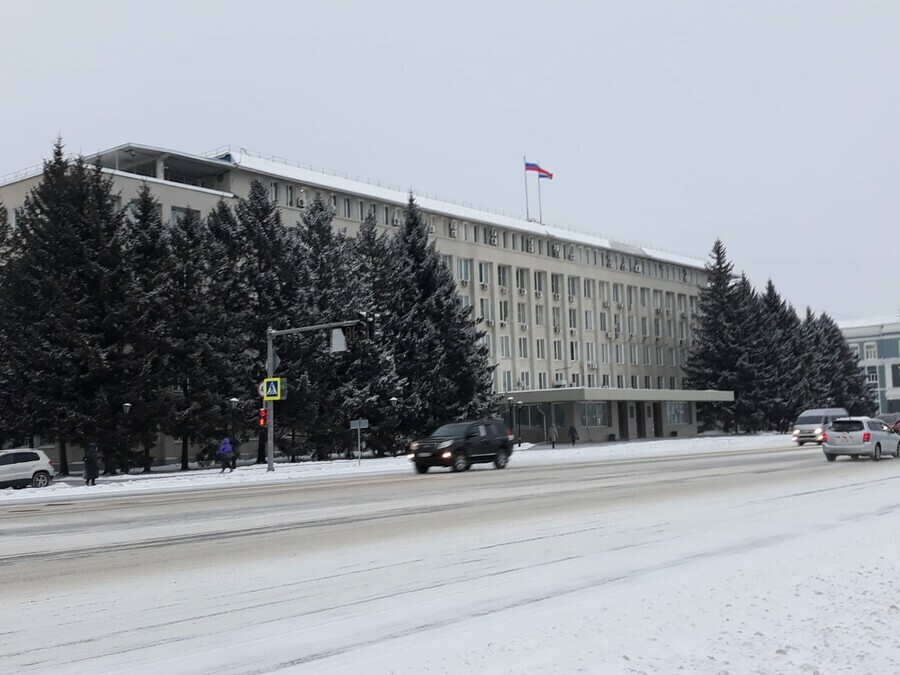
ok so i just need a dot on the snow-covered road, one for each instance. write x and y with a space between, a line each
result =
695 561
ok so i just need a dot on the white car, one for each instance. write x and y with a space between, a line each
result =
25 466
856 436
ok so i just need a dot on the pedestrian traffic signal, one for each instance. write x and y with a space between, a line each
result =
367 324
263 417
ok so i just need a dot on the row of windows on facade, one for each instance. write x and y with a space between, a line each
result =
891 377
615 326
870 351
523 381
665 357
622 296
597 414
493 236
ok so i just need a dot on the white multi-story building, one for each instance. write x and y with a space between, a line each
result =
583 330
877 344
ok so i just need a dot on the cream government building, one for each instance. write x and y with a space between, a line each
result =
583 330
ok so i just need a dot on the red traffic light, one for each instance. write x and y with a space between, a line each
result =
263 417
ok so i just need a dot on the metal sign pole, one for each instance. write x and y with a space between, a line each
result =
270 418
359 445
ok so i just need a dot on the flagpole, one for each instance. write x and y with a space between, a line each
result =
525 173
540 209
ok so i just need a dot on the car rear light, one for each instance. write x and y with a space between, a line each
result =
509 435
866 437
825 437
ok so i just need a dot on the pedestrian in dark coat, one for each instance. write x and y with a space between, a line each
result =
573 434
553 435
225 454
91 465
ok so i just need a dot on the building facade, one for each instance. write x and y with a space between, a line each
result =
583 330
877 344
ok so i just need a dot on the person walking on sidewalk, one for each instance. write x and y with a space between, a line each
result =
573 433
91 465
553 436
225 454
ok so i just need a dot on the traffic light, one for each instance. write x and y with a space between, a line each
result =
263 417
367 324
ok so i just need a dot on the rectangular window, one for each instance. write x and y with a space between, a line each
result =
678 413
854 348
179 214
672 382
633 354
347 211
573 318
604 381
273 192
872 375
540 348
522 313
591 380
604 352
484 273
557 316
504 310
504 346
659 356
634 381
289 197
503 275
620 354
871 351
589 288
620 381
645 326
540 313
488 342
589 319
603 322
507 380
387 215
539 281
464 266
523 347
646 382
574 350
647 359
557 350
521 279
556 283
644 293
361 210
525 381
485 304
573 286
542 381
590 352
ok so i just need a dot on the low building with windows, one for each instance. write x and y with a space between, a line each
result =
877 344
583 330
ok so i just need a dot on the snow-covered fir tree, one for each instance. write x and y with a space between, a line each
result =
438 348
780 366
752 389
712 358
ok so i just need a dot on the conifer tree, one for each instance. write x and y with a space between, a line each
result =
752 388
711 360
779 366
437 346
194 405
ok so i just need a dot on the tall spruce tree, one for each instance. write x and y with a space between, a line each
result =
65 289
779 366
437 347
193 403
752 388
844 379
712 358
148 260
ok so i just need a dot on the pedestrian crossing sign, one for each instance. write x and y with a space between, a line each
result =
272 389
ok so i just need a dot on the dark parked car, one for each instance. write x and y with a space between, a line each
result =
458 445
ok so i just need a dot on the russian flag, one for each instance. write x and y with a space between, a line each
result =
542 173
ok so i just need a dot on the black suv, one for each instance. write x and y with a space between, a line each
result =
461 444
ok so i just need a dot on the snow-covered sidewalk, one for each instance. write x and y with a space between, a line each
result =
168 479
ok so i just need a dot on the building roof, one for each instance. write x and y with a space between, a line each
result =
228 157
893 322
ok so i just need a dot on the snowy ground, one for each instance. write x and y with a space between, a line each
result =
166 479
711 558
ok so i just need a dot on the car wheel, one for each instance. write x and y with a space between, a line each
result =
502 459
877 456
460 462
40 480
830 458
897 454
421 468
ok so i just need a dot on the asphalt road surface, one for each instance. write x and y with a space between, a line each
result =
310 576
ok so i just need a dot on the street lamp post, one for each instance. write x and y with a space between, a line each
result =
519 406
509 403
235 445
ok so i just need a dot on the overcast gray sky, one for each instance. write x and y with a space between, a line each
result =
770 124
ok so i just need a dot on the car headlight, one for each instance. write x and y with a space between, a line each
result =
447 455
445 444
414 445
796 431
411 455
818 430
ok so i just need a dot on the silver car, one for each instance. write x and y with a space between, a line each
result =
25 466
857 436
